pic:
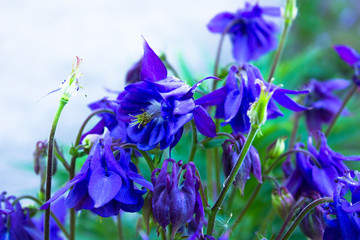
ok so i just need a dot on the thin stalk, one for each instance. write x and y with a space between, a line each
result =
143 153
58 222
61 157
217 164
247 206
215 209
119 227
218 52
202 192
289 217
346 100
209 174
278 160
194 142
73 164
279 49
303 213
294 131
49 166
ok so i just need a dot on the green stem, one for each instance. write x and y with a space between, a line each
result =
247 206
143 153
209 174
218 52
61 157
194 142
49 166
290 216
279 50
202 192
215 209
303 213
346 100
60 225
278 160
119 227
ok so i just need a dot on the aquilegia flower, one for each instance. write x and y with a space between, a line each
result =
105 184
157 107
234 99
342 217
174 200
308 177
20 226
351 57
323 103
251 163
251 35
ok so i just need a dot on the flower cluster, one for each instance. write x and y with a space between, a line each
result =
149 120
105 184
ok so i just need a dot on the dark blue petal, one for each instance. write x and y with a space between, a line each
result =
153 69
204 122
103 186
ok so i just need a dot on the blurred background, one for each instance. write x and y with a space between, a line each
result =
39 39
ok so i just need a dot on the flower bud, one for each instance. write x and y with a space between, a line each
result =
250 164
176 200
282 201
258 110
89 141
275 149
134 74
39 154
290 11
312 224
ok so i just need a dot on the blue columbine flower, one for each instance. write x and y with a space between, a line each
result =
323 103
342 217
241 89
21 226
351 57
308 177
174 200
157 107
251 35
105 184
251 163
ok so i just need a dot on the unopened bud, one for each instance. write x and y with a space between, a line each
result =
291 11
89 141
39 155
282 201
276 148
258 110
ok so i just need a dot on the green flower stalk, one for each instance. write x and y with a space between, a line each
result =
69 87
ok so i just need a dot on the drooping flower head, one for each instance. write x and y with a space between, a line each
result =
157 107
251 35
319 176
241 90
176 200
323 103
251 163
20 226
343 217
351 57
105 184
